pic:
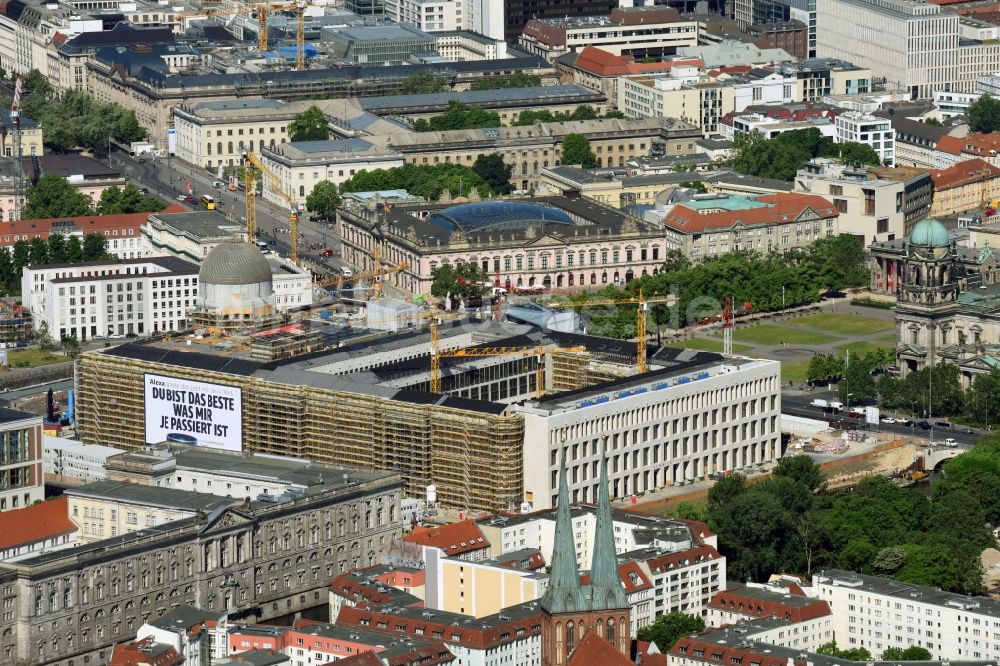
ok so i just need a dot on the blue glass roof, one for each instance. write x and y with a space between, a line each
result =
498 216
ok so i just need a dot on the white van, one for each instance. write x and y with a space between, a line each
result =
347 272
817 402
836 406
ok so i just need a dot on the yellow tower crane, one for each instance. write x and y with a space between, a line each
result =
375 274
642 306
251 162
299 7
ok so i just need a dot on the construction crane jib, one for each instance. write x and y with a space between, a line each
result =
642 307
251 162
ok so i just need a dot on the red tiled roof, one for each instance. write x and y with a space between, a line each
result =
951 144
478 636
969 171
682 558
647 654
425 655
987 145
686 647
138 653
593 649
782 208
736 601
360 592
603 63
453 538
31 524
699 529
84 223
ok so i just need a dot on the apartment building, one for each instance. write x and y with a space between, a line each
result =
911 45
966 186
641 32
70 461
119 297
869 130
874 204
710 225
810 619
462 540
702 100
22 482
512 636
878 613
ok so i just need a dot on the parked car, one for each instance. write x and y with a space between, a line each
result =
942 424
818 402
326 252
924 425
950 442
836 405
888 419
855 414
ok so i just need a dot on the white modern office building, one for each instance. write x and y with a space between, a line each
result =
872 131
111 298
700 414
912 45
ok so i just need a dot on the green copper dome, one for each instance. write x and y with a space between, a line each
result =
929 232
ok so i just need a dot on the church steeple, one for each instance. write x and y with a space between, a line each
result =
606 588
564 593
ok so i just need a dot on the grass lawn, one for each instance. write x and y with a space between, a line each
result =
887 340
706 344
794 371
841 324
860 348
30 358
772 334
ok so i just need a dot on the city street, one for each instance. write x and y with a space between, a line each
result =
168 179
797 404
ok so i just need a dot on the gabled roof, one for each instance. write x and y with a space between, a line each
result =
454 538
593 649
144 653
101 224
782 208
969 171
603 63
31 524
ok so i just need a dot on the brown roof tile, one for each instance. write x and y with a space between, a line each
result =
47 520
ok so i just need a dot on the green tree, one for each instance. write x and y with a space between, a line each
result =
754 529
912 653
463 280
95 246
670 628
984 114
22 256
310 125
801 469
424 180
44 338
71 346
725 490
856 654
839 262
9 279
857 153
324 200
933 122
119 200
516 80
858 385
690 511
424 81
492 169
458 116
74 250
38 251
53 196
57 249
576 150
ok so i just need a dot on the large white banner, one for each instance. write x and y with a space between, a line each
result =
197 413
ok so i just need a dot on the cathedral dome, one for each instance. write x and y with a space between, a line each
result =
929 232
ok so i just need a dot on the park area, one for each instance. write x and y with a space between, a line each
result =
793 341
